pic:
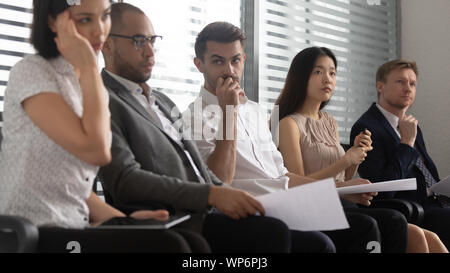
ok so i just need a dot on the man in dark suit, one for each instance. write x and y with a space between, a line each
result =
399 150
153 166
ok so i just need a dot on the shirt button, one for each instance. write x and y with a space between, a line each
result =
87 179
85 219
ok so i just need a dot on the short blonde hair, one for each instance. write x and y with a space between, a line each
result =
386 68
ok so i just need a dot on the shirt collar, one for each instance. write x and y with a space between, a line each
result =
208 97
391 118
129 85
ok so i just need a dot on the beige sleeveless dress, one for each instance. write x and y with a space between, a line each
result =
319 141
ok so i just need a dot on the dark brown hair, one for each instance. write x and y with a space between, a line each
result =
117 11
42 37
221 32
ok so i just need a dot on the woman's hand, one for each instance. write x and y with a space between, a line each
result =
359 198
160 215
362 144
356 155
75 48
364 140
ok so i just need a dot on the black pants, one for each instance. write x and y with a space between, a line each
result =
363 229
437 219
392 225
260 234
123 240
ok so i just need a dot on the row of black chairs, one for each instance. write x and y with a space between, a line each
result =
18 234
413 211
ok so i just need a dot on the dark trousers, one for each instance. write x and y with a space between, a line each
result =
120 240
437 219
363 229
392 225
260 234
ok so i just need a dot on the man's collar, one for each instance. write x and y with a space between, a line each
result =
208 97
129 85
391 118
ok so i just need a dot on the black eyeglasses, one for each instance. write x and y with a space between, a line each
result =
140 40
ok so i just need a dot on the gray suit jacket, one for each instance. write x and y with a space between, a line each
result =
148 169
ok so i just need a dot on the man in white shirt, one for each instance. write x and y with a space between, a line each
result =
233 135
232 132
399 150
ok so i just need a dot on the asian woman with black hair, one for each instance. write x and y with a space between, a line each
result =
309 139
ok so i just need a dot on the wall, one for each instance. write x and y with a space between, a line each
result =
425 37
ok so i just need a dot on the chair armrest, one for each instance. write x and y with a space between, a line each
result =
403 206
26 233
418 213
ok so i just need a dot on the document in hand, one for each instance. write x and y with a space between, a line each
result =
313 206
443 187
394 185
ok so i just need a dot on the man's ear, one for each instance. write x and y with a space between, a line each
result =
380 86
52 23
199 64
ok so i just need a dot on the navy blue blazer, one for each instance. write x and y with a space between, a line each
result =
391 160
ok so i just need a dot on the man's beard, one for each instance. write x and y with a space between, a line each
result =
398 105
125 70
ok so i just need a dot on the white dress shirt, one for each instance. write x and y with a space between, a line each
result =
259 165
391 118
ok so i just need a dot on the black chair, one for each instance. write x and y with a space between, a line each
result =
412 211
17 235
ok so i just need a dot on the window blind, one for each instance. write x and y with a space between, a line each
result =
362 34
15 22
179 22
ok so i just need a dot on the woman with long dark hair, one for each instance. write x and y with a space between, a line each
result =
309 137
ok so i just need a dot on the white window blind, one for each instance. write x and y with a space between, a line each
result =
15 22
361 33
179 22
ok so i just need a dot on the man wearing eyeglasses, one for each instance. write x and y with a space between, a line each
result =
153 166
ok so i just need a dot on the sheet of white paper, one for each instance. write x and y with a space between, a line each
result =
443 187
393 185
314 206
